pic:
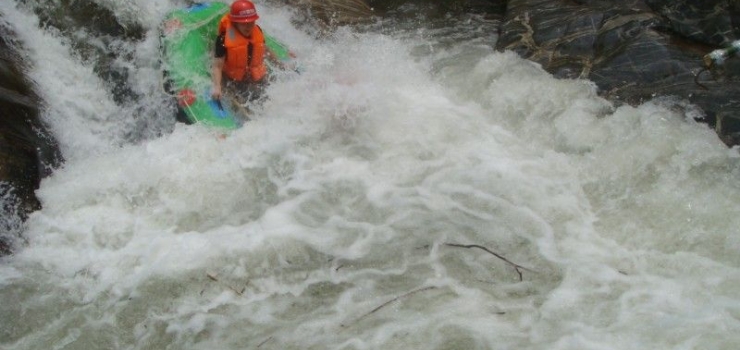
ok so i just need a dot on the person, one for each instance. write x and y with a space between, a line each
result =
239 54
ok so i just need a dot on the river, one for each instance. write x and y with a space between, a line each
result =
411 188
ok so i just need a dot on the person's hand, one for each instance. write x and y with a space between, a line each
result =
216 92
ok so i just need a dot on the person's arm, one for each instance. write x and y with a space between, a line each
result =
216 76
217 66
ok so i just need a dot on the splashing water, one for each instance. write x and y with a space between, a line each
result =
340 215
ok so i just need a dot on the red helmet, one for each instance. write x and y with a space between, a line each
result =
243 11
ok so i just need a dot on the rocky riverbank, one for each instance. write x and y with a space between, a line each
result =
635 50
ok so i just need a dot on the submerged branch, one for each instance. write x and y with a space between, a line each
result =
264 341
517 267
390 302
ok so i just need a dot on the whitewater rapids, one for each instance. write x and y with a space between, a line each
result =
334 219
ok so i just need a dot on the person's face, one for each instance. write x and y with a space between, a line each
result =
245 28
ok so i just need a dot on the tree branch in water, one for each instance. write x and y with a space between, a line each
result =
390 302
517 267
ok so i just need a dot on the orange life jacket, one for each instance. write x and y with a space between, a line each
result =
243 55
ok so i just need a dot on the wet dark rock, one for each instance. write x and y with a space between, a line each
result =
27 150
95 33
710 22
635 50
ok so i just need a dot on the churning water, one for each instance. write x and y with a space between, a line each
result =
362 206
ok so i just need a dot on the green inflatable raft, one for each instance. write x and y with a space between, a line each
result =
188 36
